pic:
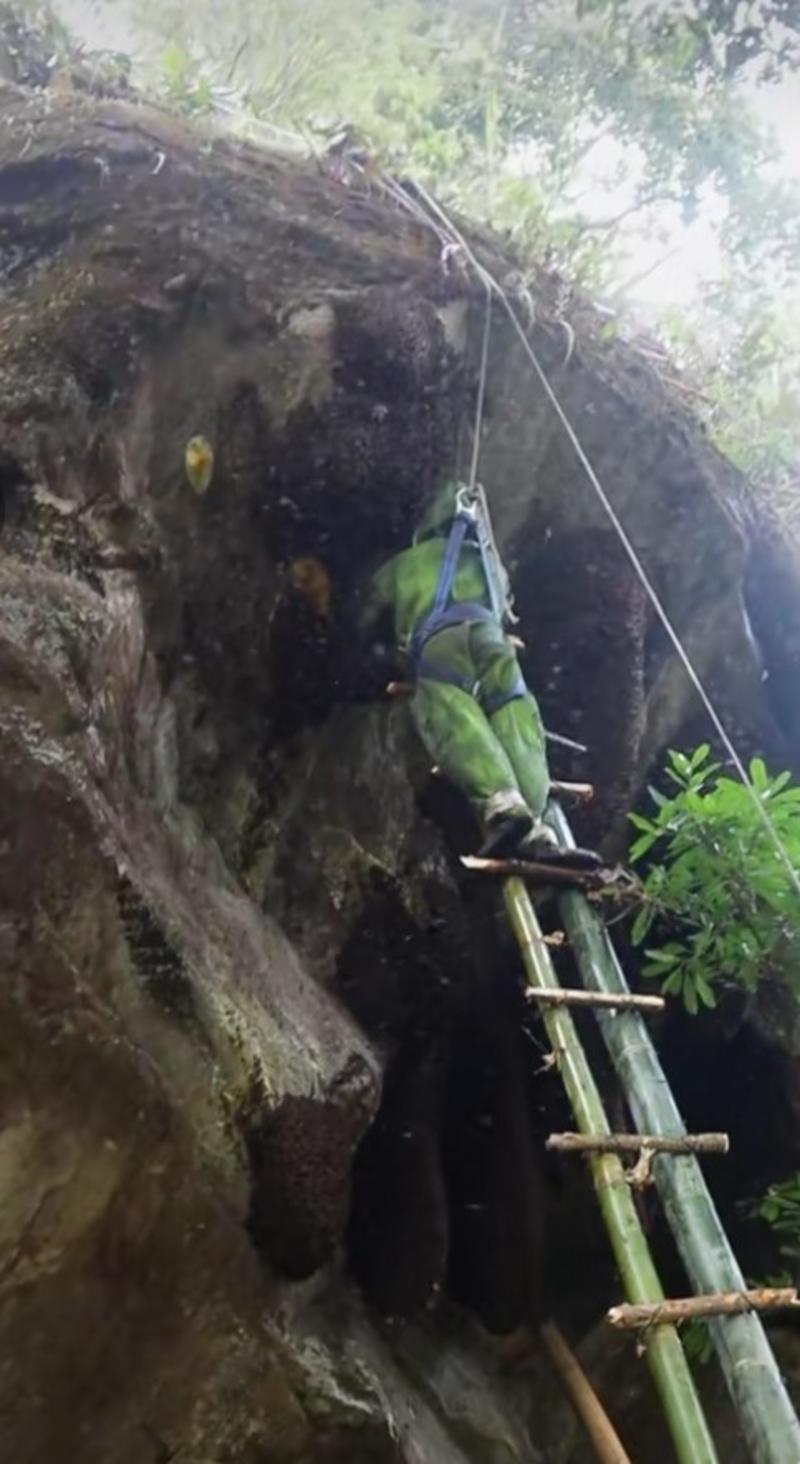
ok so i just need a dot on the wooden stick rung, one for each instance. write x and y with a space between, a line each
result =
562 741
577 792
567 996
549 874
635 1143
689 1308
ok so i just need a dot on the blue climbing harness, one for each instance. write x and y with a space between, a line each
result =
443 615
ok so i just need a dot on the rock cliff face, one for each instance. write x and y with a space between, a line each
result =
271 1131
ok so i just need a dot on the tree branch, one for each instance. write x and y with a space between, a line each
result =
642 274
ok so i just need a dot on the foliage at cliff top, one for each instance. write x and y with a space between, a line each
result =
589 130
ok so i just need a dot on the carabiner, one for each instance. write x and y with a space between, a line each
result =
466 503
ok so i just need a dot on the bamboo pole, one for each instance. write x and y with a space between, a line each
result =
566 996
770 1426
673 1379
689 1308
634 1143
599 1428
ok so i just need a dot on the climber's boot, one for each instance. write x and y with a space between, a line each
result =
506 820
541 846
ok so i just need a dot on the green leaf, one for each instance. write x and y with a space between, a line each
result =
640 846
642 923
646 824
697 1341
758 775
673 983
676 777
704 991
681 763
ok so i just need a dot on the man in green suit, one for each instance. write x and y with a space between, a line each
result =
448 596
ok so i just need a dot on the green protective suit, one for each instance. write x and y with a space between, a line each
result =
488 757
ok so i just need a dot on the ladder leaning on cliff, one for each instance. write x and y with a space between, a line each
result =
769 1424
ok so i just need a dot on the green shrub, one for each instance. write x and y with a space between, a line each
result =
720 890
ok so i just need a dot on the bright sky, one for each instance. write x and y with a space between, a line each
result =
697 256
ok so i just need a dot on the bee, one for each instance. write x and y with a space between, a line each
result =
309 578
199 463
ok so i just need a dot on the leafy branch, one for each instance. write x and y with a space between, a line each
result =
720 894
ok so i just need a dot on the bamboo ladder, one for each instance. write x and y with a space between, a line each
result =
665 1355
769 1423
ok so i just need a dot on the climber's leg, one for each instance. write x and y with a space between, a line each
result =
517 724
459 739
518 728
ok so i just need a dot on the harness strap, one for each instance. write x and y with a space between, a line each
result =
492 704
459 614
433 671
458 532
440 620
443 615
430 671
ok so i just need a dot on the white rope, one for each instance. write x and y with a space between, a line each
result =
491 284
479 405
445 237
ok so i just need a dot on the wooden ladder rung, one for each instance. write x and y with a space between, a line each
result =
690 1308
540 873
610 1000
572 792
636 1143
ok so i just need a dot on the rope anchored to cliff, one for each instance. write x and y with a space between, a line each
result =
437 218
